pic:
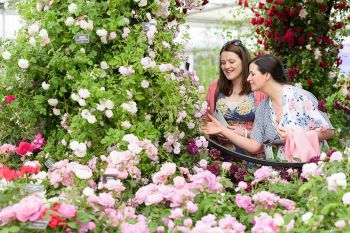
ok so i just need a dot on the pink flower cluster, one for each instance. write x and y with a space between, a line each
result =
263 200
172 144
181 193
263 173
265 223
166 171
208 223
311 169
7 149
126 71
63 171
28 209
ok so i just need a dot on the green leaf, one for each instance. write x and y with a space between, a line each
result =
329 207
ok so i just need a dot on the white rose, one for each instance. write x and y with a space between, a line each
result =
104 65
23 63
126 124
346 198
32 41
109 113
53 102
83 174
306 217
90 25
75 97
91 119
88 191
101 107
102 32
82 102
72 8
84 93
56 111
6 55
69 21
74 145
144 84
43 33
45 86
109 104
34 28
142 3
85 113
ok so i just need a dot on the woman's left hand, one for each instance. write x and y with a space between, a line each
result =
282 133
213 126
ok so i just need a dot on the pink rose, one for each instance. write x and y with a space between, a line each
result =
106 199
9 99
24 148
29 208
7 214
68 211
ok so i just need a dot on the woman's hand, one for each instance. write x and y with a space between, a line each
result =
213 126
282 133
238 129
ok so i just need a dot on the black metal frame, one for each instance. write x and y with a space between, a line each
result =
248 158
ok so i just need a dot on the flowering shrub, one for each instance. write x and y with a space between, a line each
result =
307 35
79 79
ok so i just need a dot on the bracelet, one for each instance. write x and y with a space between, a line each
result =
245 133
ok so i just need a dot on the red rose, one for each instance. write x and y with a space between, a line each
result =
339 61
323 64
309 82
259 41
298 7
280 3
24 148
323 8
55 221
289 37
261 5
253 21
292 13
298 30
277 35
301 41
9 99
269 1
309 34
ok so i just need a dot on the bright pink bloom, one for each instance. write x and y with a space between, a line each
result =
10 98
24 148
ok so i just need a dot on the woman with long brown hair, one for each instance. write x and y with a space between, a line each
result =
231 93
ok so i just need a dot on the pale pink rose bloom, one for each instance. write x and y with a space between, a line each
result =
226 165
7 214
286 203
152 199
262 174
267 199
29 209
188 222
264 223
290 225
346 198
191 207
244 202
106 199
209 220
336 156
241 186
179 182
182 229
160 229
208 181
230 223
340 224
176 213
67 210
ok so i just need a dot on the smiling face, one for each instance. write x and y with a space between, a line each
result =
256 79
231 65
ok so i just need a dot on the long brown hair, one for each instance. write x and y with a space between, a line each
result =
225 85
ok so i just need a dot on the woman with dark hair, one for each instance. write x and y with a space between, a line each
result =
285 107
231 93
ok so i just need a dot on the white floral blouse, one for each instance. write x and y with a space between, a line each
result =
299 108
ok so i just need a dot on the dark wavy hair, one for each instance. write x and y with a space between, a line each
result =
225 85
273 65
